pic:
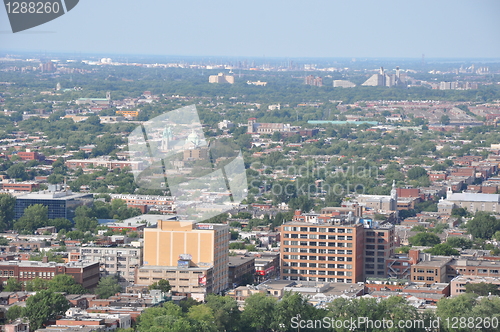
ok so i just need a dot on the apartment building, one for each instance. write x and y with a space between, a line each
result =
379 247
430 269
330 251
457 284
118 261
186 246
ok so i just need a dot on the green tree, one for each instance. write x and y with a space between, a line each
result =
7 203
424 239
483 225
17 171
459 242
107 287
445 119
44 305
4 241
482 289
226 312
34 216
36 284
14 313
259 312
13 285
162 285
288 307
416 172
65 283
61 223
443 249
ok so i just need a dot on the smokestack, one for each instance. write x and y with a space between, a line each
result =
381 70
397 71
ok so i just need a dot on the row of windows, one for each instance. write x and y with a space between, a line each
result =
372 266
33 274
317 244
374 253
431 271
371 240
372 260
379 247
379 273
316 229
7 273
311 258
316 251
318 272
109 252
348 281
321 265
372 233
320 237
422 278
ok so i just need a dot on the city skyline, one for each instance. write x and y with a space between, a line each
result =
445 29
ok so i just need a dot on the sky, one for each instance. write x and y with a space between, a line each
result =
268 28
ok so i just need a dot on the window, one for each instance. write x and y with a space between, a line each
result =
313 229
430 278
420 278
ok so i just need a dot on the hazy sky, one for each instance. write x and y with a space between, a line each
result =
271 28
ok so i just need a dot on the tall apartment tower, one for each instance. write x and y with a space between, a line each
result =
379 247
184 246
323 250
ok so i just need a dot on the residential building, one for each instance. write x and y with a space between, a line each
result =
430 269
343 84
109 164
241 268
221 78
315 81
457 284
326 251
379 247
119 261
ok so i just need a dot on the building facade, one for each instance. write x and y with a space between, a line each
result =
60 204
86 274
329 251
118 261
185 244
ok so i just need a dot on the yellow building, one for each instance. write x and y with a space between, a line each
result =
184 245
128 113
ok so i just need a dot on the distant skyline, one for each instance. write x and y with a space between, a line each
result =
275 28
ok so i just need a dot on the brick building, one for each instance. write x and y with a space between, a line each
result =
86 274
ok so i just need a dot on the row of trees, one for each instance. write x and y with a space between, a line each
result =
293 313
